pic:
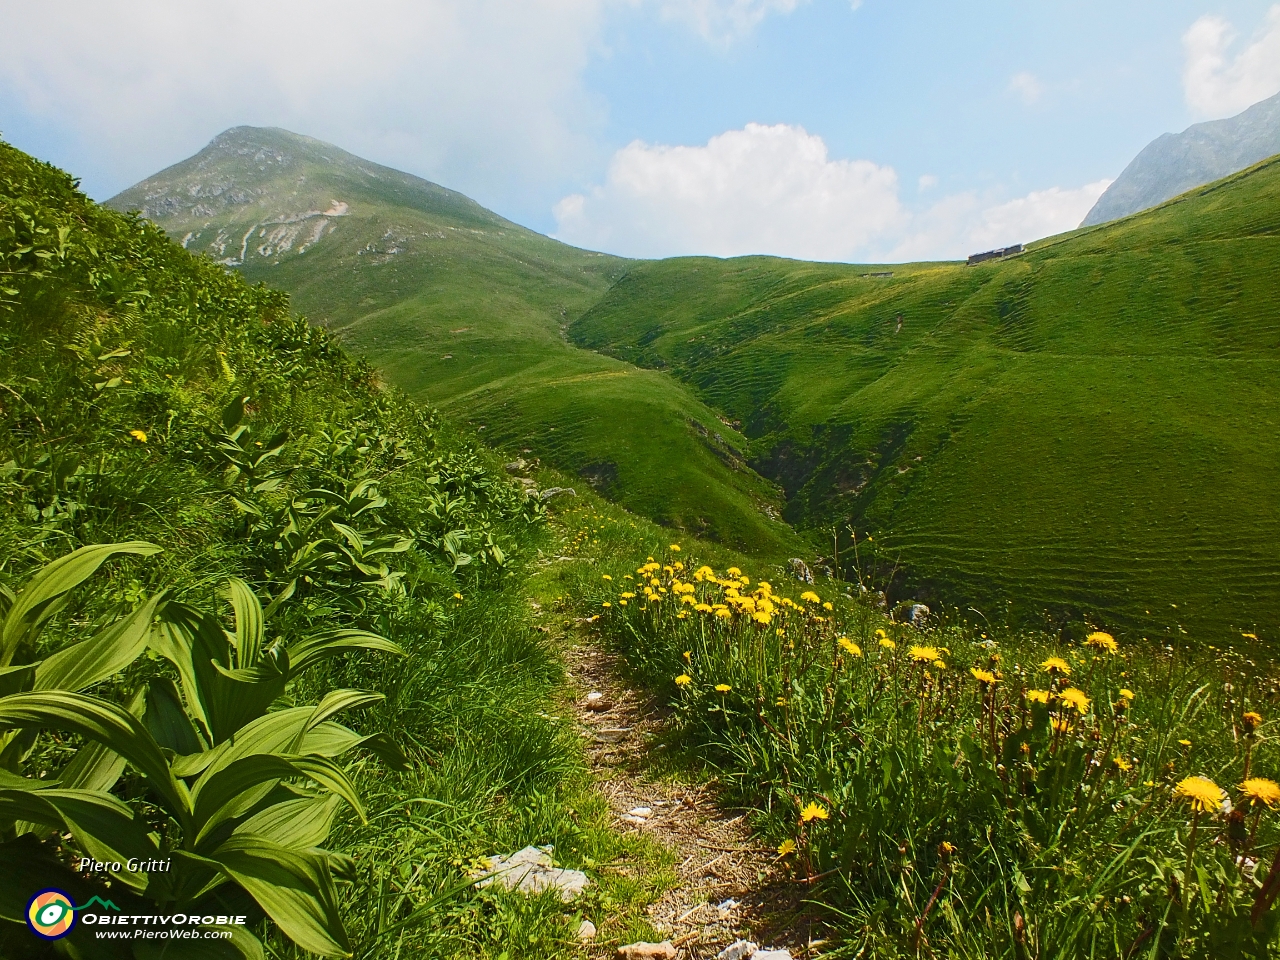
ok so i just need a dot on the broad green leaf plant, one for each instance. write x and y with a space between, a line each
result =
196 767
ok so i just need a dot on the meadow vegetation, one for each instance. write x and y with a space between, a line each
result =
957 790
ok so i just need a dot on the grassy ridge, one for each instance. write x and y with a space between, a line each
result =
463 309
1088 428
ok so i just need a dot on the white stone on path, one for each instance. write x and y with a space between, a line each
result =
771 955
586 930
641 812
530 871
741 950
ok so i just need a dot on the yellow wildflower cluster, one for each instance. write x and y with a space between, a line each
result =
727 598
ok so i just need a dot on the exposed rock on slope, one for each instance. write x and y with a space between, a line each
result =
1177 162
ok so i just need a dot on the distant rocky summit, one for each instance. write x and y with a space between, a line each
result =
1177 162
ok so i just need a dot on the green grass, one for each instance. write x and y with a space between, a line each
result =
467 314
1088 430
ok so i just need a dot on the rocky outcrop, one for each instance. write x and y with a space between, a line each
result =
1174 163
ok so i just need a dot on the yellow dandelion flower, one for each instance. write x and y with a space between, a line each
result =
850 647
1261 790
939 665
1038 696
606 604
946 848
605 576
1126 693
810 597
1185 743
683 680
887 643
734 572
622 603
827 606
674 548
1121 764
702 607
724 614
880 632
1252 720
782 701
1102 640
723 688
813 811
1056 665
984 677
688 656
1061 724
923 654
457 596
1249 636
139 435
1073 697
786 848
1204 795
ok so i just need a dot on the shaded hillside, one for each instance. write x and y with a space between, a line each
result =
1089 427
1176 162
465 309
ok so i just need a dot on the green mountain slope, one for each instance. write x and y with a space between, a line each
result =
1092 426
465 309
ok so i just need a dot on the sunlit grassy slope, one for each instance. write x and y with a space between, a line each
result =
1093 426
463 308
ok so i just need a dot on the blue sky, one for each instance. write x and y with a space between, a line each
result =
656 127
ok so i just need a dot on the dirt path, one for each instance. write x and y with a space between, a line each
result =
729 887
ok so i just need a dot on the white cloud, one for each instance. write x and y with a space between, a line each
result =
762 189
775 189
1026 86
473 91
722 21
963 223
1217 85
926 182
487 96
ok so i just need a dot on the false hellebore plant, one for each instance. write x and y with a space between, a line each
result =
237 796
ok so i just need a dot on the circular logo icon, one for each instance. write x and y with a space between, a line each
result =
50 914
